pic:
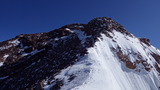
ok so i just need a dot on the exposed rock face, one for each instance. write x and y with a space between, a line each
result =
146 41
103 24
28 59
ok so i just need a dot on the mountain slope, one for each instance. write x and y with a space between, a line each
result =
99 55
105 70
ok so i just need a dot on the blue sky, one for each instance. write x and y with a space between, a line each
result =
140 17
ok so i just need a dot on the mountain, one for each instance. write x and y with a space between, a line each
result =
100 55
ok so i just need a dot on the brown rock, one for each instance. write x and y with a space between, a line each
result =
145 40
130 65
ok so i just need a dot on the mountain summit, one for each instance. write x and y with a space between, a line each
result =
100 55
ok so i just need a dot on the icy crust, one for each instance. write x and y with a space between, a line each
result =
102 69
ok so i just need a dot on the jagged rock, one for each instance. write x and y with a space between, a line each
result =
145 40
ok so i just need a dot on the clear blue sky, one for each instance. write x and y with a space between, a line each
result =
140 17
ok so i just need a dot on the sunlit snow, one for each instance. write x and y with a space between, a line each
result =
101 69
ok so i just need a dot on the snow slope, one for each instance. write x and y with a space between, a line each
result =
102 69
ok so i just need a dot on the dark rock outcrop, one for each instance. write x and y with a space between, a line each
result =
145 41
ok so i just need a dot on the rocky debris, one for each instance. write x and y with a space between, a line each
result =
104 24
127 61
156 57
145 41
157 67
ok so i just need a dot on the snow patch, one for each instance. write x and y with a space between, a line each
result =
3 77
81 35
1 64
67 29
33 52
5 57
14 42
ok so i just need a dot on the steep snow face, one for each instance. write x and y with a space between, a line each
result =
108 72
104 69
